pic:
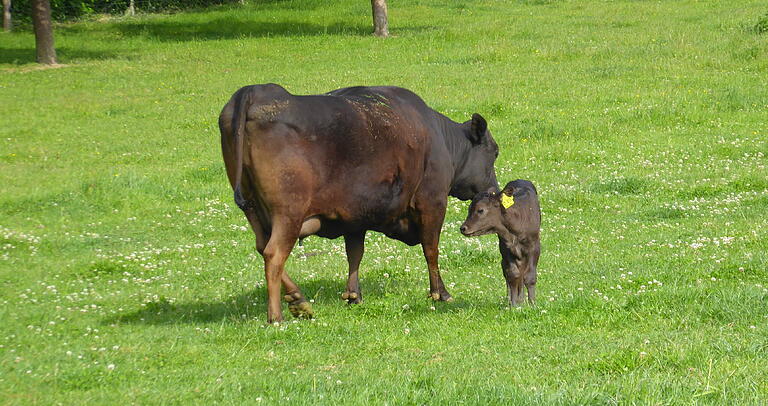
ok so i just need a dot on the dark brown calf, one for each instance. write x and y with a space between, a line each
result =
514 215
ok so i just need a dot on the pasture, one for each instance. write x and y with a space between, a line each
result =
128 275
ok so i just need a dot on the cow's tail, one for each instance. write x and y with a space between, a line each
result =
242 102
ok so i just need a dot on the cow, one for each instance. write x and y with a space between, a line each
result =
345 162
514 215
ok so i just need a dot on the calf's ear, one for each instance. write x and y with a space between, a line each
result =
509 190
477 129
494 195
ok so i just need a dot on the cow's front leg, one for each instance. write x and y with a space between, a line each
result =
355 245
429 244
437 289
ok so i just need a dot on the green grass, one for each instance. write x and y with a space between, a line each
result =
127 275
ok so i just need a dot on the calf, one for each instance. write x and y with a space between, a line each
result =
514 215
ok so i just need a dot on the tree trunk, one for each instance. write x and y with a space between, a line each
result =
7 24
380 28
131 11
41 19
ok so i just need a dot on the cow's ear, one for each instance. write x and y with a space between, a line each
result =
477 129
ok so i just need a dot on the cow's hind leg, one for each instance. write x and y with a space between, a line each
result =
297 303
355 245
258 230
285 232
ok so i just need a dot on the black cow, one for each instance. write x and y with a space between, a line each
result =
342 163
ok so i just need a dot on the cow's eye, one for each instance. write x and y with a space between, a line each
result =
480 211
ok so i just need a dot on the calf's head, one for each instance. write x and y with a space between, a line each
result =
477 172
485 214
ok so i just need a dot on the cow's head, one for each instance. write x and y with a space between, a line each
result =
477 172
485 214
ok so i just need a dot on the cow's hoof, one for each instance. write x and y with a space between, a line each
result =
351 297
441 297
275 321
301 309
299 306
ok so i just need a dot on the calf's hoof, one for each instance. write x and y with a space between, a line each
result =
352 297
517 303
299 306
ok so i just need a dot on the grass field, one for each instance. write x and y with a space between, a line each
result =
127 274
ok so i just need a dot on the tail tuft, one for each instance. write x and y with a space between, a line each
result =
240 200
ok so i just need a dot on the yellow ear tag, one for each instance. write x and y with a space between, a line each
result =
507 201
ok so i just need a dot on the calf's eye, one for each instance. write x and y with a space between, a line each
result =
480 211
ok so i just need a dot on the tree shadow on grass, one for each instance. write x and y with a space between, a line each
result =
22 56
229 28
167 30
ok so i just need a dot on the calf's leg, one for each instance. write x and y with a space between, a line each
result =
355 246
506 270
530 276
512 276
530 285
509 292
511 273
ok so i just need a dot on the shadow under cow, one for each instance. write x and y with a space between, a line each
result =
244 306
251 305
